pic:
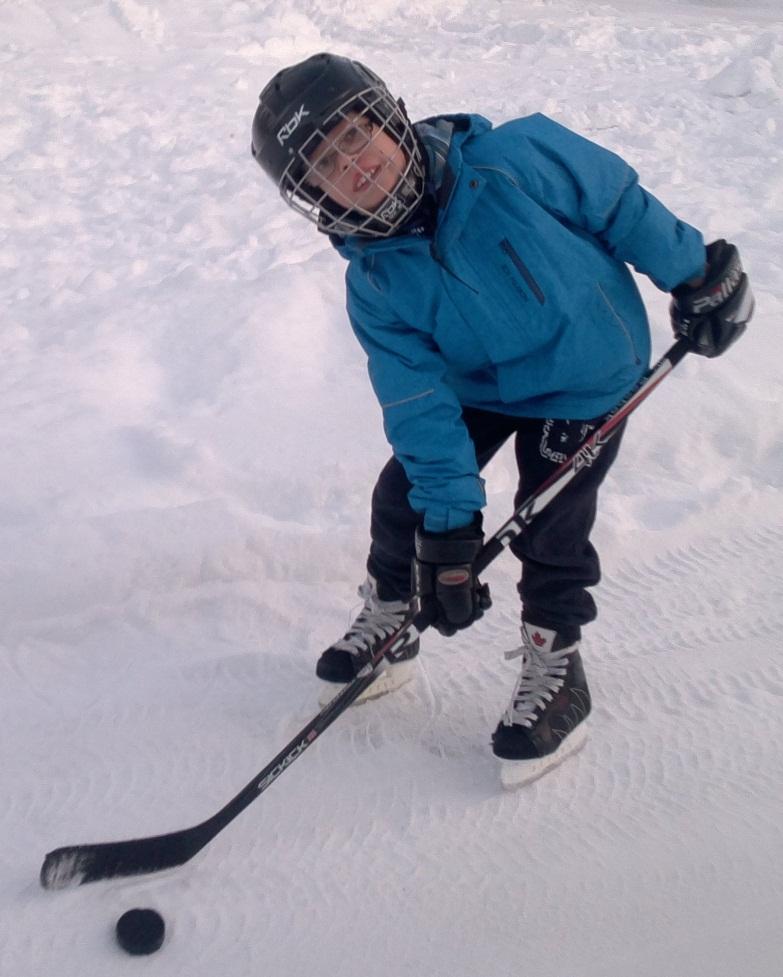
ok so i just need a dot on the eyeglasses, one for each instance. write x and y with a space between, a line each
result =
352 142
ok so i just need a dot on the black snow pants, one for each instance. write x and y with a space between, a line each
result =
558 560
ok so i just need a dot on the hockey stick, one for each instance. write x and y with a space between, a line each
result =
78 864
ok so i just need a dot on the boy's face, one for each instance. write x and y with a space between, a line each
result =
357 164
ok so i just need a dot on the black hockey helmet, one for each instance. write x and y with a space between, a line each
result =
296 111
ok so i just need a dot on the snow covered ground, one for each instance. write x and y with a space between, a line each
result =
188 440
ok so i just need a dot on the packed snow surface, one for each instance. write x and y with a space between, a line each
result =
188 444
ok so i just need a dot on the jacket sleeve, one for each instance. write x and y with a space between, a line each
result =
421 414
594 189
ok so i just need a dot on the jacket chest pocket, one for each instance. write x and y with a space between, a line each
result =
523 273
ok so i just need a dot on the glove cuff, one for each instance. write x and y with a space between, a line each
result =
446 548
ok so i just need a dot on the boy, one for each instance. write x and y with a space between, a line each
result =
487 283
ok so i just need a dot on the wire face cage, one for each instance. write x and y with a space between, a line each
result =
377 202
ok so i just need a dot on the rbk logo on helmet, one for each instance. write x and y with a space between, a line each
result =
286 131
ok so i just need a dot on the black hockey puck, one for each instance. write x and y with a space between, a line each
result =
140 931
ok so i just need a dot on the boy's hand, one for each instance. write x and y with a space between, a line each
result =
712 312
444 580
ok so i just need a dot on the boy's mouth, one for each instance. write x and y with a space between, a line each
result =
363 179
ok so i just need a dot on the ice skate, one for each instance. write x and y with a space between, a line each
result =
544 722
340 663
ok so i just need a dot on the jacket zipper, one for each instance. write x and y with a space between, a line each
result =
508 248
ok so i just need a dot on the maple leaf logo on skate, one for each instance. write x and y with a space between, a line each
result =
538 640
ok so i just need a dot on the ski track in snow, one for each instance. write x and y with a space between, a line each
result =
188 449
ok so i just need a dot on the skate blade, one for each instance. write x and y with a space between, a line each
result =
517 773
392 677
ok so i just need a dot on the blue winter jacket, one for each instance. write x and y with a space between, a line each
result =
520 302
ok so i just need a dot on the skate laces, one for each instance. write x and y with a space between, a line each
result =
377 620
542 677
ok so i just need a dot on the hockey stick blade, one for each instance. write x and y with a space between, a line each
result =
78 864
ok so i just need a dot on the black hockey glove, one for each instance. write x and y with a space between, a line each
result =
714 314
444 580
